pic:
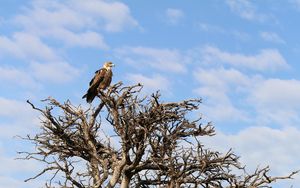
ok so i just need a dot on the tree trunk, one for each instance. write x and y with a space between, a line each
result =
117 173
173 184
125 181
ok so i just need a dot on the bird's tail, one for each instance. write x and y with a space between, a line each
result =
91 94
89 98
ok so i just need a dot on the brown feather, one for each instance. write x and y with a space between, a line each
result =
101 80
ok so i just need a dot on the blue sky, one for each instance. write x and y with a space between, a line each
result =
240 56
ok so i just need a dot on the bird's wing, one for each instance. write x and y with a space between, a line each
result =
99 76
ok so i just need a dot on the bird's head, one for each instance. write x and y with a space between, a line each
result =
108 65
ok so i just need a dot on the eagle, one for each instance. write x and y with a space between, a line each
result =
100 81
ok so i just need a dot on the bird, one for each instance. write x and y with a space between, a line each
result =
100 81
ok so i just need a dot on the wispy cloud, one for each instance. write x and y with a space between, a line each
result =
11 108
30 48
74 22
271 37
215 87
26 46
76 14
284 92
277 101
14 172
240 35
253 144
151 83
174 16
167 60
18 118
224 76
206 27
58 72
215 29
295 3
9 181
262 101
221 78
80 39
246 10
217 84
115 15
17 77
265 60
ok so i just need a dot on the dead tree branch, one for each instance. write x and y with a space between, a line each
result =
160 145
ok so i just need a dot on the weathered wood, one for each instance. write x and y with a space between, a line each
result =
159 145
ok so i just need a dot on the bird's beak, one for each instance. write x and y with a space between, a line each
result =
113 65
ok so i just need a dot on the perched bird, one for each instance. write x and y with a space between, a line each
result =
101 81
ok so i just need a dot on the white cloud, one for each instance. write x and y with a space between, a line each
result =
43 14
261 146
76 14
222 109
221 78
17 77
13 166
58 72
8 46
277 93
240 35
218 86
85 39
295 2
277 101
18 118
116 15
7 181
215 86
26 46
242 7
174 15
162 59
12 108
75 22
265 60
14 172
152 83
271 37
246 10
261 101
209 27
33 47
272 101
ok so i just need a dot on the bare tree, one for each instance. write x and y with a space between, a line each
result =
159 145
